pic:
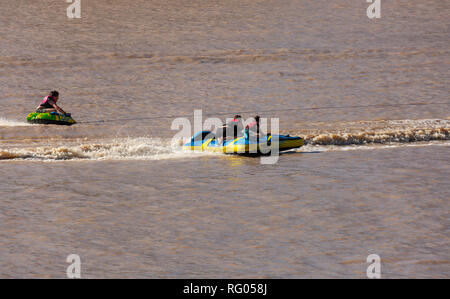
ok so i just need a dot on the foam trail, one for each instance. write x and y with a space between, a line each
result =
12 123
119 149
350 136
379 137
404 131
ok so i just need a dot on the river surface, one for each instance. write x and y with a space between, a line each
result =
370 97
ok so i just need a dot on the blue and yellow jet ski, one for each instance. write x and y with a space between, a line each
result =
207 141
52 118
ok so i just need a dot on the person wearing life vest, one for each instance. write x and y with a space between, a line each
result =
231 129
235 127
253 129
48 104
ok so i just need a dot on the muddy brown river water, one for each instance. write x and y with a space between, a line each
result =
373 177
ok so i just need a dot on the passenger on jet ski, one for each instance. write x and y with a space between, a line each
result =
49 105
231 130
253 129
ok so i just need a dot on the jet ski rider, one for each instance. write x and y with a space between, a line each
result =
49 105
253 129
232 129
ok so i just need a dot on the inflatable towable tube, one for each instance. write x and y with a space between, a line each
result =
51 118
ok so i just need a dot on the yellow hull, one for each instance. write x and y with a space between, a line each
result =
245 148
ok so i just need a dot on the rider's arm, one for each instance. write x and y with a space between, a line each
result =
254 130
57 107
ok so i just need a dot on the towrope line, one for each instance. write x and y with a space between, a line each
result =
264 111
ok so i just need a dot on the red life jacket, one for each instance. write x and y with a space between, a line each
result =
45 102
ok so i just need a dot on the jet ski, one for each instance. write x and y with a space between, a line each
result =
207 141
50 118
